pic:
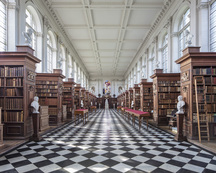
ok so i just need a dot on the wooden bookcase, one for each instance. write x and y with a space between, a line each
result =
126 98
195 63
99 101
77 96
146 96
68 97
17 90
87 100
49 87
130 95
136 97
166 89
112 101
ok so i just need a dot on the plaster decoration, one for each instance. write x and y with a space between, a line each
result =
11 5
203 5
154 87
156 64
28 36
185 76
46 23
189 37
174 34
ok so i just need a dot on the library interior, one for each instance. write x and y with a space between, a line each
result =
108 86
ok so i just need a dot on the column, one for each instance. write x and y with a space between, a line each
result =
12 26
46 27
203 23
22 23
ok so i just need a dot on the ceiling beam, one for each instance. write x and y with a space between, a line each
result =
130 27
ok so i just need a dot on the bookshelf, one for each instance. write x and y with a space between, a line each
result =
77 96
166 89
130 95
1 128
126 99
136 97
99 101
49 87
112 101
195 63
44 118
87 100
146 96
68 97
17 90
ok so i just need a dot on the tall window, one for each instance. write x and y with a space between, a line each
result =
183 26
49 53
213 27
165 53
30 24
2 26
153 60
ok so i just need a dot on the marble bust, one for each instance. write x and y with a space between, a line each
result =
81 103
132 104
35 105
180 105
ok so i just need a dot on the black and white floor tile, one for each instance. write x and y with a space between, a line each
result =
110 144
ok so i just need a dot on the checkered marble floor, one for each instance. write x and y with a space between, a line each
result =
108 143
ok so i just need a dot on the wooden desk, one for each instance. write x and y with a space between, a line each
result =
83 113
119 108
139 114
93 108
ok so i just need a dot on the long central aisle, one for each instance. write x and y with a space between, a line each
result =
108 143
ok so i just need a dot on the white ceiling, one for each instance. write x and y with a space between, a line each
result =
107 33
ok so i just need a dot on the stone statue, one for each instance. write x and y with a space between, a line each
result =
28 36
35 105
189 37
132 104
91 103
122 104
180 105
81 104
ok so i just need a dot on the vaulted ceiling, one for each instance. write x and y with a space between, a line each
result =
107 33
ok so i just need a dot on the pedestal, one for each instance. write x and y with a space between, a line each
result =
36 121
179 136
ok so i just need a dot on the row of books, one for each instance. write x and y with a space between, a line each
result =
47 86
1 82
1 91
46 90
204 71
14 92
53 111
167 101
169 89
14 82
2 102
168 95
210 117
13 71
13 116
162 112
47 82
14 103
147 90
147 97
47 94
169 83
211 89
170 106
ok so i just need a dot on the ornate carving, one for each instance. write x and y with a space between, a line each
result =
185 76
184 89
31 88
31 75
46 23
154 87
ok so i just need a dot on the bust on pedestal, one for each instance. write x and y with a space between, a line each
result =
180 116
36 119
81 104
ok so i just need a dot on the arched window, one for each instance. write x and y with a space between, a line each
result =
49 53
183 26
3 27
165 53
213 27
70 65
31 24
